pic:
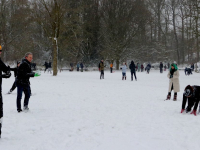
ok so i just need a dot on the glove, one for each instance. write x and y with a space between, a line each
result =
36 74
171 76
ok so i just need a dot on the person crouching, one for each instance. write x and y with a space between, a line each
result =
192 95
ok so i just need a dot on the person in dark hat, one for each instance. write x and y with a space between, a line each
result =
15 74
7 74
192 95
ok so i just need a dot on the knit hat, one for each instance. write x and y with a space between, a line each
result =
188 91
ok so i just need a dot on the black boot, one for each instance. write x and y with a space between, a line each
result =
122 78
125 78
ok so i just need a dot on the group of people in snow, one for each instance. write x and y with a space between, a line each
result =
79 66
22 75
191 93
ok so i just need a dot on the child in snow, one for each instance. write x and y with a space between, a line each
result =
173 76
124 71
192 95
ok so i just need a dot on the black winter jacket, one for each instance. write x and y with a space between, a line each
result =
6 70
24 73
196 92
132 66
14 70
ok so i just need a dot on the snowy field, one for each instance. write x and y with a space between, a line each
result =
78 111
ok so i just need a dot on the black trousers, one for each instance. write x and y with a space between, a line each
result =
27 91
132 76
191 102
102 74
111 69
161 70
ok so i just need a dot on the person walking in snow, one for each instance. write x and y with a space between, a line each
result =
15 74
22 81
148 67
111 67
142 67
192 95
81 66
46 66
192 67
173 76
7 74
78 65
138 67
161 67
124 71
101 68
165 67
132 68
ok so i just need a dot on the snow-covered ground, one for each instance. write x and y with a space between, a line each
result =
78 111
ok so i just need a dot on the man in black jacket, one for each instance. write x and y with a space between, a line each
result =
192 94
22 81
7 74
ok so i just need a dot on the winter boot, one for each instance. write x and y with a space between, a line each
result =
175 98
182 110
10 91
19 110
26 108
168 97
194 112
125 78
122 78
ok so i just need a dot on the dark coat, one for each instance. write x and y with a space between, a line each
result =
161 65
132 66
101 66
14 70
148 67
6 70
49 65
46 65
81 65
24 73
196 92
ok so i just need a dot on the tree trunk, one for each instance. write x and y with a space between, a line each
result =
55 57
